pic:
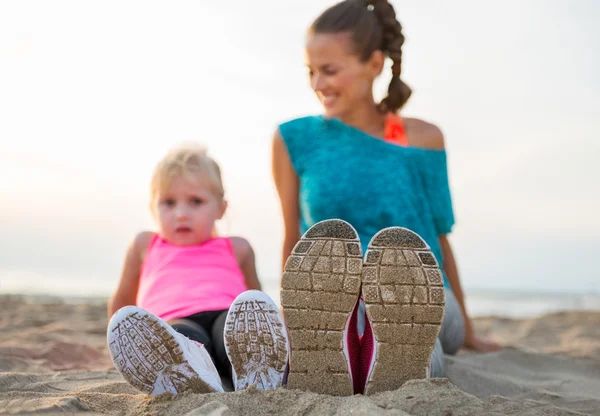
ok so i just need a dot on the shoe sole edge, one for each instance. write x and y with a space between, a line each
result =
267 370
143 377
404 300
320 288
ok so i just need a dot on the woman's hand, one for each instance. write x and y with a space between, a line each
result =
472 341
475 343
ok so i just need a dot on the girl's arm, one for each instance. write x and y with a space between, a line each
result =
286 182
127 289
472 341
245 257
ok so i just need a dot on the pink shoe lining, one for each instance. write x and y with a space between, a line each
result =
366 357
354 349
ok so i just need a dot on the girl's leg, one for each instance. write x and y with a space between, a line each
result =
193 331
207 328
219 352
198 327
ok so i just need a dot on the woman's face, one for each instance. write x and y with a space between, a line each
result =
337 75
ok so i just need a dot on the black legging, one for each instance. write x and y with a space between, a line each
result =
207 328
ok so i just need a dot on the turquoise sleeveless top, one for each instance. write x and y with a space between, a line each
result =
347 174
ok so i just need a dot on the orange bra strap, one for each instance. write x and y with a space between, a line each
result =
394 130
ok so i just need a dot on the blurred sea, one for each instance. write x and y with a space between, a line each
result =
480 302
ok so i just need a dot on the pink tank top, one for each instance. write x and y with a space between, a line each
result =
179 281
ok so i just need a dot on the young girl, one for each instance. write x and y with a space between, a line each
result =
188 287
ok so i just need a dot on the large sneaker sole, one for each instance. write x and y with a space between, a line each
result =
319 290
256 342
404 299
155 359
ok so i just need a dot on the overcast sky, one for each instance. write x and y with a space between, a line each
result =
93 93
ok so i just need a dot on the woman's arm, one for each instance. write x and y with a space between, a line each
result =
245 256
286 182
428 136
472 341
127 289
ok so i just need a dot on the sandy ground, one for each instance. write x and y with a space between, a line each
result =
54 360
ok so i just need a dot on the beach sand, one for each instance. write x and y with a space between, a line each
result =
54 360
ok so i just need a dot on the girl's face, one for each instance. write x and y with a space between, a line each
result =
341 81
187 211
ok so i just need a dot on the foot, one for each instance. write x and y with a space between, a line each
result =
256 342
319 291
156 359
404 296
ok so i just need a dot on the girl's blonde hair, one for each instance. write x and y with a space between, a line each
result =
184 160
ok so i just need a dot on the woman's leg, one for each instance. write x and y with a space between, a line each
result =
451 337
452 332
360 316
436 367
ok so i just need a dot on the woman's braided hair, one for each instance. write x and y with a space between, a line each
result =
372 26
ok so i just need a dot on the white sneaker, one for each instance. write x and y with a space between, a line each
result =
256 342
155 359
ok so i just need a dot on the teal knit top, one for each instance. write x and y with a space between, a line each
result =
372 184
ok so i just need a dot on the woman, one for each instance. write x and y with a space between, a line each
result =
361 162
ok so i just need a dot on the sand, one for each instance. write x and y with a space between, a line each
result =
54 360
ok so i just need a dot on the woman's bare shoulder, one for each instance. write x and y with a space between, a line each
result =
421 133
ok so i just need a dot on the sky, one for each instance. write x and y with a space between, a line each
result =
93 93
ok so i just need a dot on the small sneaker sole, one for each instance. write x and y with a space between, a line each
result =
404 299
154 358
319 290
256 342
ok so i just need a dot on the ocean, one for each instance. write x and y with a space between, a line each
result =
480 302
